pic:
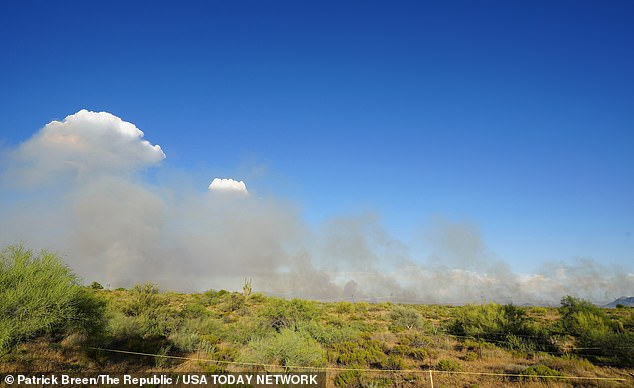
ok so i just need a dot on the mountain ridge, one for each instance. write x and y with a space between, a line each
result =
624 300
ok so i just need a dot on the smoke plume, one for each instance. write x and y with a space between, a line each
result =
77 187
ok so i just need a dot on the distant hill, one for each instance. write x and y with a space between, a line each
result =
624 300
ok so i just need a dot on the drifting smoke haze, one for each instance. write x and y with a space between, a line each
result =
77 187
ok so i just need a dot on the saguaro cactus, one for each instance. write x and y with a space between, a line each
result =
246 289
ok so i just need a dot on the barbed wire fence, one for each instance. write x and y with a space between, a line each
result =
428 373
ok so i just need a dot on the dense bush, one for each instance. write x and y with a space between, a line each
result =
191 334
356 379
39 295
471 356
406 318
233 302
416 353
596 334
611 348
248 330
416 340
283 314
393 362
96 286
540 372
121 326
628 322
448 365
213 297
362 352
286 348
150 311
328 334
491 321
581 318
344 307
349 379
197 334
144 298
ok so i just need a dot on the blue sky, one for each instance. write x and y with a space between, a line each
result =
517 117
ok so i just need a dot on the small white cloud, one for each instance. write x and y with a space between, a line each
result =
228 185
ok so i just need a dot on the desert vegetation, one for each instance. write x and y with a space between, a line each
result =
49 321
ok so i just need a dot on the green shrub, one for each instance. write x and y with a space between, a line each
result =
540 372
593 329
470 356
185 340
121 326
286 348
393 362
539 310
406 318
359 353
493 322
257 298
585 323
283 314
344 307
248 330
208 344
476 345
415 340
628 322
581 318
96 286
448 365
612 348
195 310
160 360
362 307
349 379
233 302
143 299
519 344
418 354
39 295
213 297
216 352
196 333
328 334
355 379
150 311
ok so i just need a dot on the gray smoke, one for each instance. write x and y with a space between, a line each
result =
77 187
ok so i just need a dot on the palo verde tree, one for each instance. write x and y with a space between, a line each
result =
604 339
40 295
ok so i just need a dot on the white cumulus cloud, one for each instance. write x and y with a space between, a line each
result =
85 142
228 185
